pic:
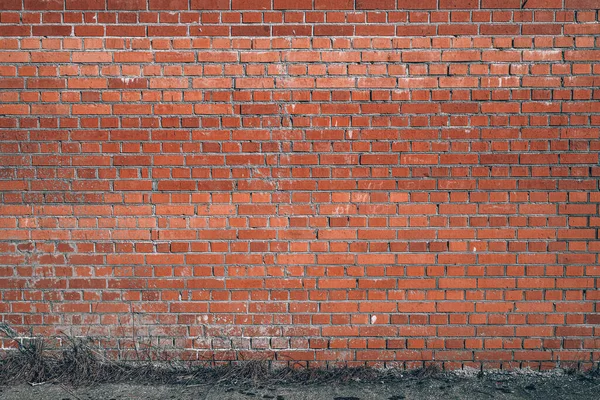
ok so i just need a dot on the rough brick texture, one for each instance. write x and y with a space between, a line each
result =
388 182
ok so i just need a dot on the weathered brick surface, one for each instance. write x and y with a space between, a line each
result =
324 181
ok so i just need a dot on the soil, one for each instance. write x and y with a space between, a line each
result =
448 385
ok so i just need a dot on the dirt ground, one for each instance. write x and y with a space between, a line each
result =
447 386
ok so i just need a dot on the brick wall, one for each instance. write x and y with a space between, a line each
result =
387 182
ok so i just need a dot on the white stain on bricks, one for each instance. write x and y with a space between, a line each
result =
340 210
373 319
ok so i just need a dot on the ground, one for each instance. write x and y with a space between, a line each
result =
447 386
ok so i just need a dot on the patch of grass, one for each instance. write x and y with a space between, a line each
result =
77 362
595 371
427 371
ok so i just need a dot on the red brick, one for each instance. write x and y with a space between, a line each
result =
334 4
254 30
126 4
422 187
41 5
500 4
581 4
209 5
168 5
459 4
417 5
85 4
10 4
295 5
250 4
375 4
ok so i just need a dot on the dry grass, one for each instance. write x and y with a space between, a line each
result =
78 363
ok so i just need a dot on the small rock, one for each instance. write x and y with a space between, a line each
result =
531 386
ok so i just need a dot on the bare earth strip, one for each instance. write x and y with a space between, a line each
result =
447 386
